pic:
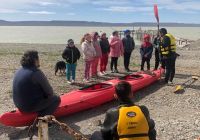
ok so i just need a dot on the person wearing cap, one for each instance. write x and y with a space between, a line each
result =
129 46
71 54
96 59
146 52
116 50
105 48
168 52
127 121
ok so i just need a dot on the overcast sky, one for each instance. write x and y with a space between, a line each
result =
182 11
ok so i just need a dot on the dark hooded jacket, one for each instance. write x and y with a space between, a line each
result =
71 54
128 44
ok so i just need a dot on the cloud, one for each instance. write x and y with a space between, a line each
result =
71 14
46 3
127 9
41 12
110 2
8 11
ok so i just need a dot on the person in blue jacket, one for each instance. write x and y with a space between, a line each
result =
146 52
31 89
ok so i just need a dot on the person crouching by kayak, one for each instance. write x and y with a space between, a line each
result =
105 48
146 52
89 54
127 121
96 60
116 50
31 89
71 54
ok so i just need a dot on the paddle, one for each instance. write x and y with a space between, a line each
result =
184 85
156 15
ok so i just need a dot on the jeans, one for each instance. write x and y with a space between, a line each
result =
127 60
71 70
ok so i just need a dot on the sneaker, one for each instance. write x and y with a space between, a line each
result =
112 71
73 81
170 83
69 82
101 73
116 71
86 81
104 72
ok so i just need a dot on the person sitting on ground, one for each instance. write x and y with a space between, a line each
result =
31 89
105 48
127 121
129 46
146 52
71 54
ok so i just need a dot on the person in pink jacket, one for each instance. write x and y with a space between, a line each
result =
116 50
89 53
97 47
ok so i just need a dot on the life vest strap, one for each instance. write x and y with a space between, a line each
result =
134 135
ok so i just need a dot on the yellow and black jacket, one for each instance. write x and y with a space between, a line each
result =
138 128
168 45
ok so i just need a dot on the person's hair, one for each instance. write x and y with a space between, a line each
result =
163 30
123 89
114 33
29 57
83 38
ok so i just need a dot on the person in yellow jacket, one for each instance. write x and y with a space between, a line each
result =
127 121
168 53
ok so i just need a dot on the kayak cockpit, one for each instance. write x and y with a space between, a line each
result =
97 87
131 77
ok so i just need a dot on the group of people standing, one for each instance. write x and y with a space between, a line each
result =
96 50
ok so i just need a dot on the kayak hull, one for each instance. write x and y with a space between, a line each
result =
82 99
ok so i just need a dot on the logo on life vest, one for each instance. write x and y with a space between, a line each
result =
131 114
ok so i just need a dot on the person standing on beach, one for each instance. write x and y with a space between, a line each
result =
89 53
71 54
31 89
97 47
129 46
127 121
116 50
168 52
105 48
146 52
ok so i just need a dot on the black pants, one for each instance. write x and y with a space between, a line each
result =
113 63
157 59
45 106
96 136
127 56
170 69
148 63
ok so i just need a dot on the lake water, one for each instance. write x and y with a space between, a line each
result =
60 34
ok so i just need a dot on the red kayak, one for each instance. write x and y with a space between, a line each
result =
84 98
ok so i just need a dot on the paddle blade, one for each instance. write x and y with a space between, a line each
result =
156 12
178 88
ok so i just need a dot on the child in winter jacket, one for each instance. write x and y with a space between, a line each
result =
89 54
146 52
71 54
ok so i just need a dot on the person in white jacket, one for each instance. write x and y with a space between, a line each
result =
89 54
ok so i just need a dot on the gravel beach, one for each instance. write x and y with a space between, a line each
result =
177 116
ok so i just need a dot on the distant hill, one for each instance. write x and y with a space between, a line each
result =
87 23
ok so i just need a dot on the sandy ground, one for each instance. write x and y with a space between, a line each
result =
177 116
